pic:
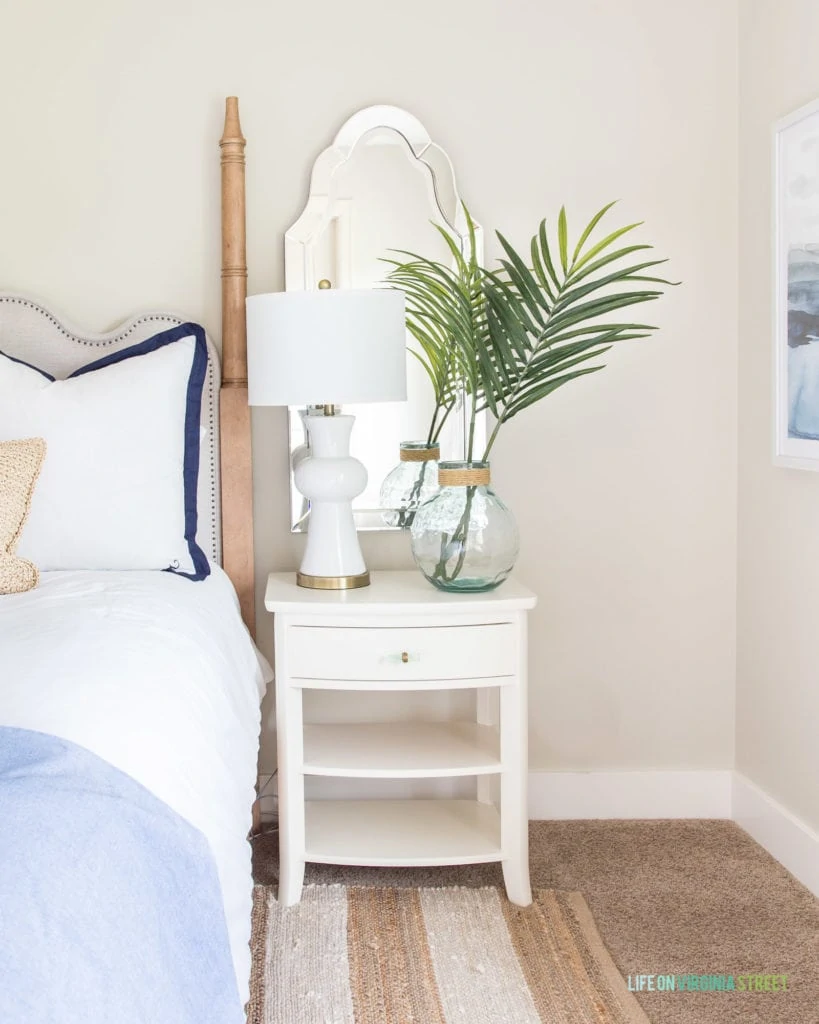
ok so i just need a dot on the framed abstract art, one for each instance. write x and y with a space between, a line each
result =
796 333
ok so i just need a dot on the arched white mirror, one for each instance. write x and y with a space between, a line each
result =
381 186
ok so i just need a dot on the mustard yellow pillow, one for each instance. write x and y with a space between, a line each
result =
20 463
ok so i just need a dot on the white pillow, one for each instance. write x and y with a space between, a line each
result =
118 490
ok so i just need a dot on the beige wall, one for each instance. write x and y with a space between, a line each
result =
624 485
778 588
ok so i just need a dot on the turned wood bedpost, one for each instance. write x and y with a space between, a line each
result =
236 463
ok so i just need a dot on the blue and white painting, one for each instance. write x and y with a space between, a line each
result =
797 435
803 342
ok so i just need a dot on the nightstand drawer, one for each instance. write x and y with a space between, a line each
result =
423 652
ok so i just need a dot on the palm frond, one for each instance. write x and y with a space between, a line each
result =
507 338
547 320
446 320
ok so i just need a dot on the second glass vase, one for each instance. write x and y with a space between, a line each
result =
413 481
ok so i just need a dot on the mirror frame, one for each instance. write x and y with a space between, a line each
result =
300 274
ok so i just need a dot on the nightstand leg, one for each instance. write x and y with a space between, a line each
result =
513 809
516 879
291 881
291 793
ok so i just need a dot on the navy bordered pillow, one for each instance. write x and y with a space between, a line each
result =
118 490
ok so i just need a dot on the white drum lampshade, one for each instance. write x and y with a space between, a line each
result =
325 348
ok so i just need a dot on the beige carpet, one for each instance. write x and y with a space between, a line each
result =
694 897
451 955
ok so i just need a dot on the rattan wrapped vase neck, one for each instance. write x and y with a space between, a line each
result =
419 453
472 476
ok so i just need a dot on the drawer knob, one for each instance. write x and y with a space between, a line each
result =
404 657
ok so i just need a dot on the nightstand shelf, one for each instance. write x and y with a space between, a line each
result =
402 833
402 635
401 750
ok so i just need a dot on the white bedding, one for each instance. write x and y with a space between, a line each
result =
158 676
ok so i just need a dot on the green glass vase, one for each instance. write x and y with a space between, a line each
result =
464 539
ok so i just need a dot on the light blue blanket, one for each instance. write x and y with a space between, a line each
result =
110 907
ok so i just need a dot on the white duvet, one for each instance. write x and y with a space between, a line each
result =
158 676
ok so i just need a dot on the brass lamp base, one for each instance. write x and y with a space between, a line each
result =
333 582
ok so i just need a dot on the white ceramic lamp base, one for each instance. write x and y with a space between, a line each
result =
329 477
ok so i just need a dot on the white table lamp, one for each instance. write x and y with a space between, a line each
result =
325 348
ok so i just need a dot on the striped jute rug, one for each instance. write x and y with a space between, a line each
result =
432 956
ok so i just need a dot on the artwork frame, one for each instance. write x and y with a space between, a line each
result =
796 289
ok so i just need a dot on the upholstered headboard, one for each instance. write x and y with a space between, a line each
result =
30 332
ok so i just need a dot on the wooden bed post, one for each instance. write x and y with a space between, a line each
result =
236 463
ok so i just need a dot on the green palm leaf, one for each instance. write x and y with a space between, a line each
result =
546 321
507 338
446 320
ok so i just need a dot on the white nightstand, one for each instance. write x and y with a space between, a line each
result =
402 634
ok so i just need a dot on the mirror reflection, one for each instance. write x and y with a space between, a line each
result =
380 187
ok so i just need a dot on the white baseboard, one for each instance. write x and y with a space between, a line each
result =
782 834
657 794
